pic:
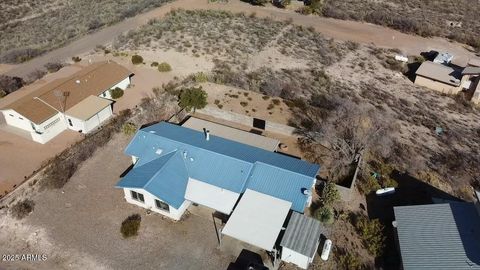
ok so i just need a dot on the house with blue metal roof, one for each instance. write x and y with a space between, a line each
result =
175 166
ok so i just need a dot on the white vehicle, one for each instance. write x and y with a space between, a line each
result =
385 191
327 247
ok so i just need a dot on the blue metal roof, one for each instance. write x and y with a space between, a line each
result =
224 163
280 183
165 177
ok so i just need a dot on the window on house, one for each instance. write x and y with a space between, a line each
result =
163 206
20 118
70 122
11 115
137 196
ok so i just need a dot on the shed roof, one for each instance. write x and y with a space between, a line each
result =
88 107
302 235
63 94
257 219
439 72
439 236
232 133
227 164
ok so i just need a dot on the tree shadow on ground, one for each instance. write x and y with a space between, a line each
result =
247 260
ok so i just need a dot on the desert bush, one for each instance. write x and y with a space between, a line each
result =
368 184
17 56
137 59
200 77
35 75
349 262
193 98
76 59
243 103
330 194
116 93
164 67
372 234
10 84
2 93
130 226
324 215
129 129
22 209
281 3
154 64
53 66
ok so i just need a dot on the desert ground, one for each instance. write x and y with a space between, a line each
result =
251 54
364 33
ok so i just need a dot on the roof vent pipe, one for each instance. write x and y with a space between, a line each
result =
207 134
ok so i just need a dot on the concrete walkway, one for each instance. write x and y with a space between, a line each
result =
338 29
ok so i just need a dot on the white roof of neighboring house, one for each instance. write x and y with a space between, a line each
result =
232 133
439 72
88 107
257 219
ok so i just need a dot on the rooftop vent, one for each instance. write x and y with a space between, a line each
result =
77 81
306 192
207 134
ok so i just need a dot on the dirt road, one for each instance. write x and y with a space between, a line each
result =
337 29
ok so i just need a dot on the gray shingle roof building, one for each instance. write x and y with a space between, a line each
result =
439 236
302 234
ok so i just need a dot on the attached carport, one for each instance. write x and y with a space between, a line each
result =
257 220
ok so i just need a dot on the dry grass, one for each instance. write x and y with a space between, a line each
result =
42 25
455 19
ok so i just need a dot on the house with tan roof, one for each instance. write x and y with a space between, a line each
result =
80 102
440 77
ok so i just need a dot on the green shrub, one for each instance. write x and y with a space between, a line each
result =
371 232
137 59
324 215
265 97
76 59
368 184
243 103
154 64
131 225
164 67
330 194
22 208
116 93
129 129
53 67
276 101
2 93
200 77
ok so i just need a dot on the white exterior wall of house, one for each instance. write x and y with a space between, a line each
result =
122 85
91 123
296 258
41 133
174 213
14 119
49 129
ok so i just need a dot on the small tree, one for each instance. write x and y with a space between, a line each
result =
371 232
330 194
131 225
2 93
164 67
76 59
137 59
193 98
154 64
53 67
116 93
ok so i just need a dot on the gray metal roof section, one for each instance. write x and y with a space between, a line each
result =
302 234
439 236
471 71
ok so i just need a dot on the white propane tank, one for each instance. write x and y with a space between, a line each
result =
327 247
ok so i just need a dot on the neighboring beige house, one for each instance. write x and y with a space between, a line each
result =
80 102
439 77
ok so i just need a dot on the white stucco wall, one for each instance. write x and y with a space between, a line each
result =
174 213
89 124
296 258
12 118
